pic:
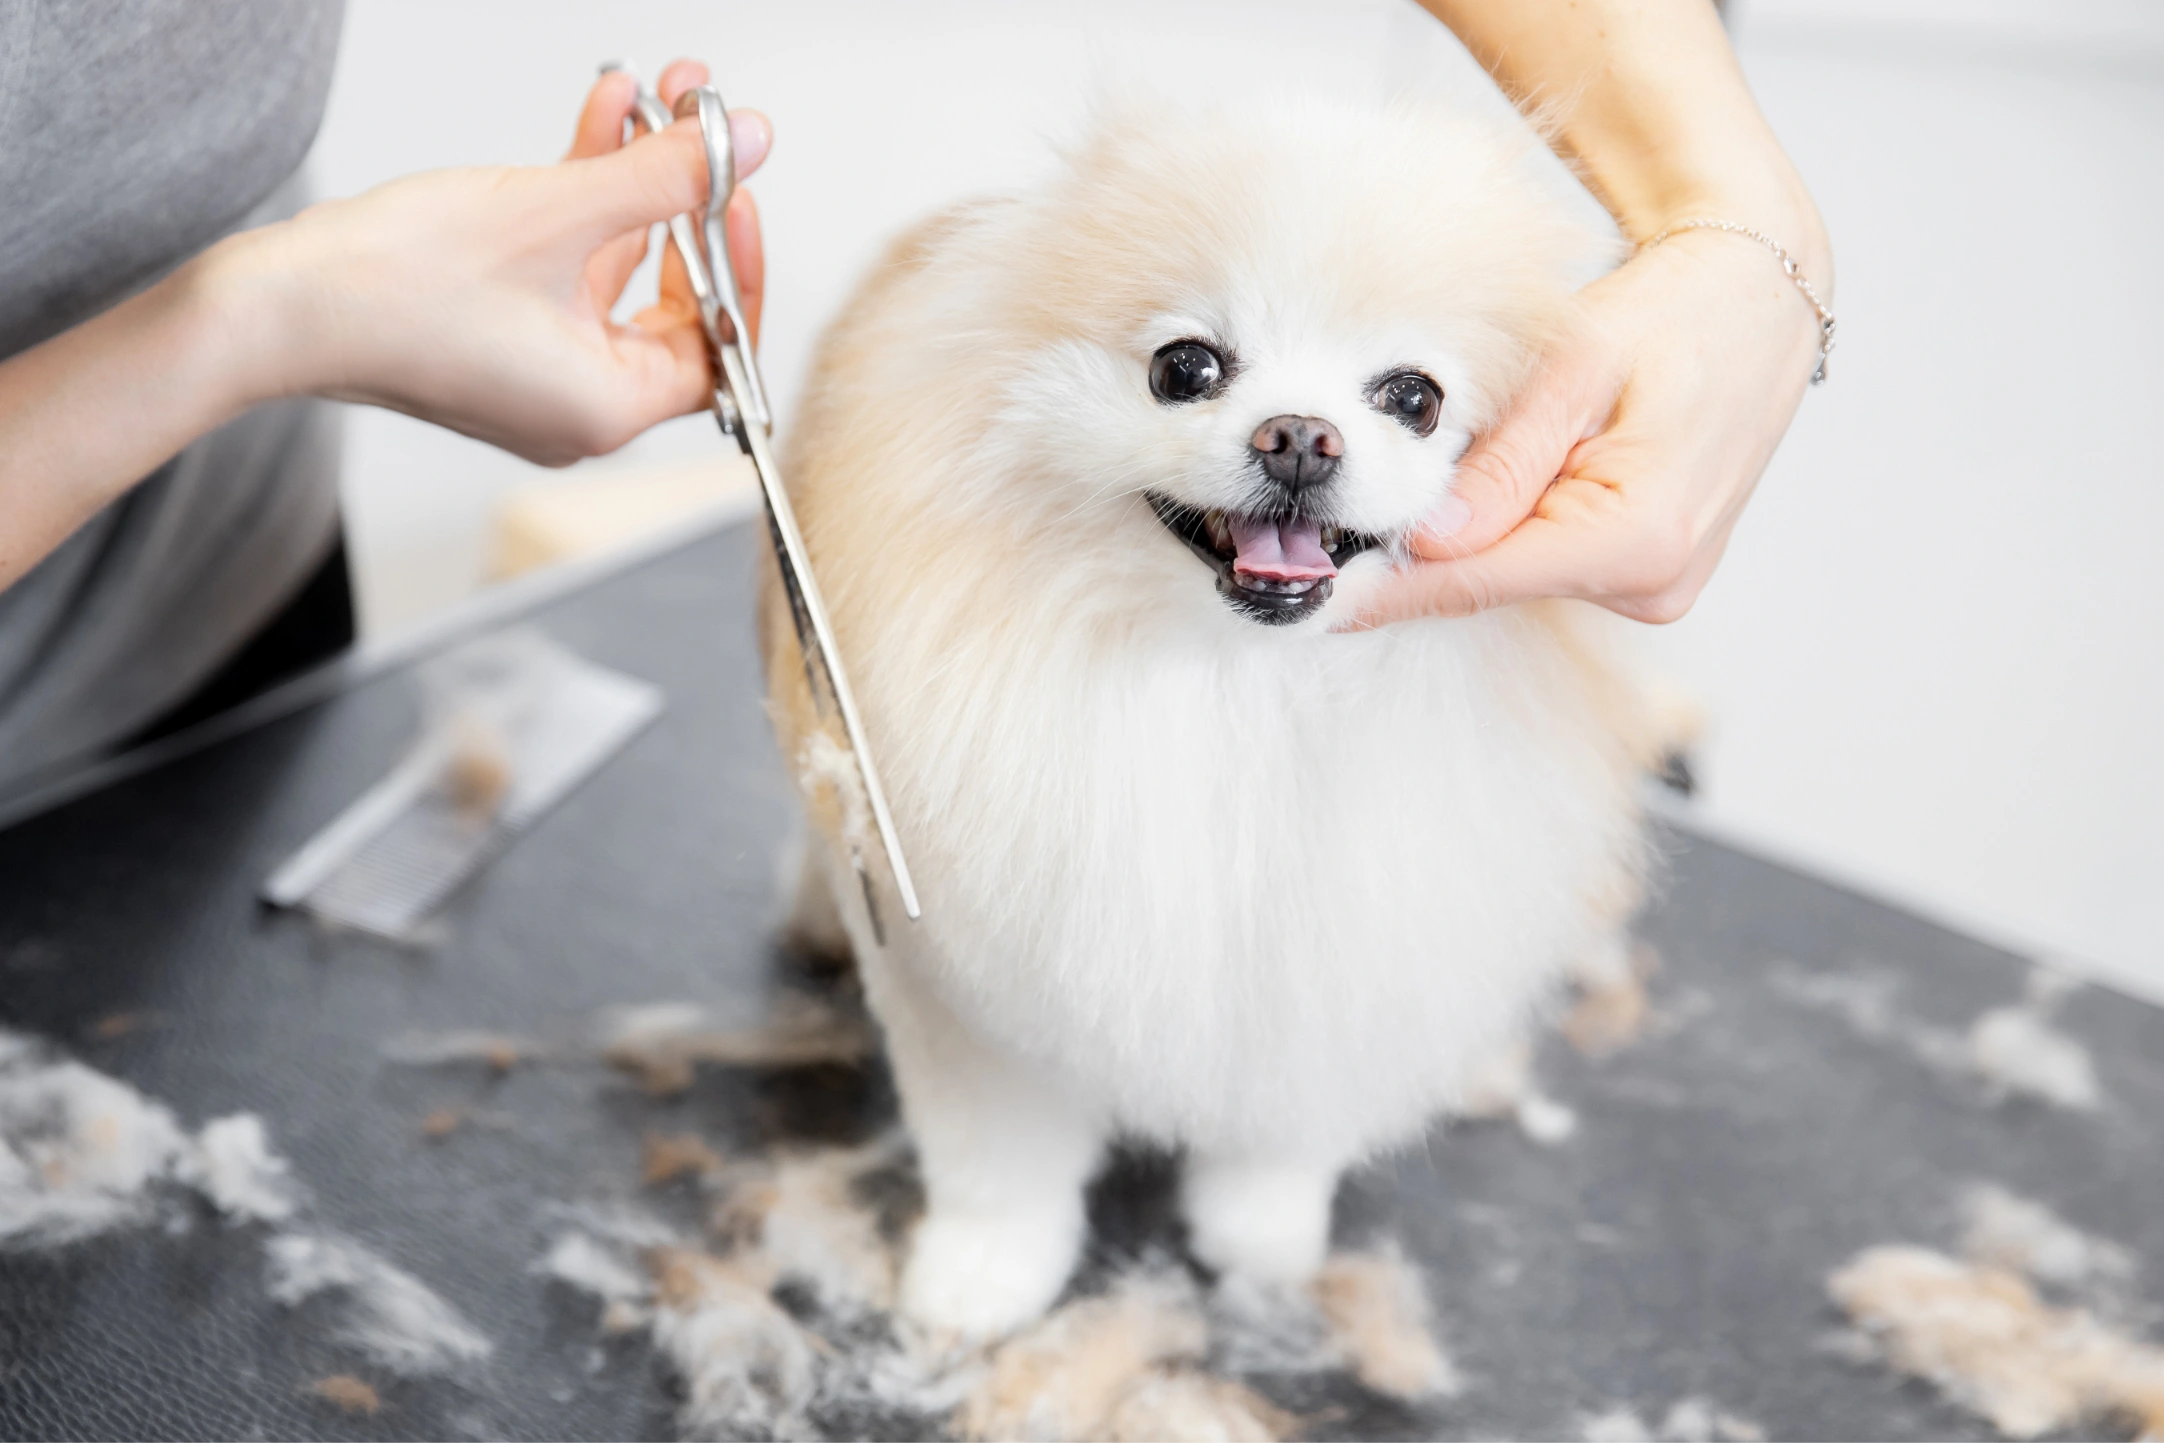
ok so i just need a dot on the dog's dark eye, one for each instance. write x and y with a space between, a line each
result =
1412 400
1185 371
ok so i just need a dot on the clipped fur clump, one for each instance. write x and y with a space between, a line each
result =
2017 1053
828 774
1984 1338
1688 1420
1380 1325
348 1394
79 1151
1503 1086
1612 1008
1364 1312
781 1322
810 1227
664 1159
748 1369
82 1153
496 1051
2021 1235
1196 1408
1699 1420
235 1168
380 1310
748 1365
478 773
2013 1053
441 1122
1063 1377
603 1254
661 1044
1978 1329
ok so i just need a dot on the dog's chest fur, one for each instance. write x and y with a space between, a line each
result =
1247 889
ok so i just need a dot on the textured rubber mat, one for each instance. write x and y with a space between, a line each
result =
1798 1091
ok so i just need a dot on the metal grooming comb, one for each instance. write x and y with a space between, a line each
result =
514 723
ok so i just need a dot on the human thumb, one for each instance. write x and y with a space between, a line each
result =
657 176
1503 474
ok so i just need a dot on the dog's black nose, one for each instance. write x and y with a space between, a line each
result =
1297 451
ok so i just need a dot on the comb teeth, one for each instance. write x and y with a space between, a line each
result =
404 872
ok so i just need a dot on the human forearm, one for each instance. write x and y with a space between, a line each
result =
1646 97
477 299
90 412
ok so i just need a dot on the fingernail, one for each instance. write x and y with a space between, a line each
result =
1449 517
748 136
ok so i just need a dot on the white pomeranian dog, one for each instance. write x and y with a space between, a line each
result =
1093 477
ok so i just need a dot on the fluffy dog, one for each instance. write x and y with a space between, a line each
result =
1091 477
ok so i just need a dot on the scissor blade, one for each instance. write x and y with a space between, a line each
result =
796 566
714 285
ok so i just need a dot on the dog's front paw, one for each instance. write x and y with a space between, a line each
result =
1263 1223
980 1275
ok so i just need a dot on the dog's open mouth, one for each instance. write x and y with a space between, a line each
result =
1274 569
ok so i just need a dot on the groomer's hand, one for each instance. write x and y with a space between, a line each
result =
477 299
480 299
1621 470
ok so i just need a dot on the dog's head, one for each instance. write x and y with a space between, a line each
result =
1245 350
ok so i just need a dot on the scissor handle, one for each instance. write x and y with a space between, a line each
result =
703 102
712 284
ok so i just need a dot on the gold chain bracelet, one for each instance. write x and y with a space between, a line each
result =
1788 263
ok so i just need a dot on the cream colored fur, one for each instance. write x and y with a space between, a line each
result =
1265 893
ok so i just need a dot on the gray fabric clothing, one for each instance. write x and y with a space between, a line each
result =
134 133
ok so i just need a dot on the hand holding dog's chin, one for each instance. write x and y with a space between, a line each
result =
1620 470
479 299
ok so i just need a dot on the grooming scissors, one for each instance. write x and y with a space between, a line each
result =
740 407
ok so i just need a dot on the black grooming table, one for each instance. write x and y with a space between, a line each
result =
1676 1245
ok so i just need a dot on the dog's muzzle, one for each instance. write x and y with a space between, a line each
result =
1273 569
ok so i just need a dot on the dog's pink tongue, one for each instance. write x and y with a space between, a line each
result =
1280 550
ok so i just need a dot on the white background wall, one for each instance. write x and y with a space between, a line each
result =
1932 661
